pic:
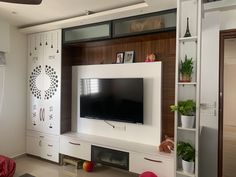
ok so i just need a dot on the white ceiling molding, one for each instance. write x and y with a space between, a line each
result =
220 5
141 8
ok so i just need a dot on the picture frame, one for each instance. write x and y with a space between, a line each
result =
129 57
120 57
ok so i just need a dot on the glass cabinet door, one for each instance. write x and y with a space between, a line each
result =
87 33
154 22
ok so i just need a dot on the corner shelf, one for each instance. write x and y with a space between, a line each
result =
187 129
188 39
185 174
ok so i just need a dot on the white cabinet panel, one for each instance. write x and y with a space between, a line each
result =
43 145
161 166
75 148
44 54
32 145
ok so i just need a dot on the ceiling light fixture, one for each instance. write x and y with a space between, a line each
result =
31 2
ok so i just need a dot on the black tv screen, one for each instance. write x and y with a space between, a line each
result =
116 99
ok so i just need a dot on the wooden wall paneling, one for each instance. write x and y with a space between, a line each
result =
104 52
66 86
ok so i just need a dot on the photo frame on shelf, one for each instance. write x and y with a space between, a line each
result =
129 57
119 57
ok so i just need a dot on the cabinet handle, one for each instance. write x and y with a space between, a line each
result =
49 155
77 144
43 114
40 143
50 145
41 136
158 161
40 114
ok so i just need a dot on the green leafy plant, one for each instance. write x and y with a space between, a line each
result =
186 66
187 108
186 151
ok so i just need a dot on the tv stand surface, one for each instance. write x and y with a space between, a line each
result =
142 157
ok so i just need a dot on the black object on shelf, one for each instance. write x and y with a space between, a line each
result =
110 157
187 33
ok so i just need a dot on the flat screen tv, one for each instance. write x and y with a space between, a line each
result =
116 99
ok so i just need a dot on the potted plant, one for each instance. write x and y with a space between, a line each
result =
186 69
187 153
187 109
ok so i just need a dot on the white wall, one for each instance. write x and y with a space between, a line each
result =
150 131
209 94
13 115
212 24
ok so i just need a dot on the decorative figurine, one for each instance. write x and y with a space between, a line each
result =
187 33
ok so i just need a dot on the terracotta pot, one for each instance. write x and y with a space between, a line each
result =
185 78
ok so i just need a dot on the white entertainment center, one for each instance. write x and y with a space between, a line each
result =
140 141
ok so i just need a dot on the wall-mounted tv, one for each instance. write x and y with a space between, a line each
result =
116 99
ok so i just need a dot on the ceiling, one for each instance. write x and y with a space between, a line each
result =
54 14
51 10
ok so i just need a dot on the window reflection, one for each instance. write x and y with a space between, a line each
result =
89 86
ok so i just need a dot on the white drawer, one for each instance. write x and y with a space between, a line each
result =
52 156
75 148
161 166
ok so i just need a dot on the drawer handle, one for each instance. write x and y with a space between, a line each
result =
49 155
50 145
77 144
41 136
158 161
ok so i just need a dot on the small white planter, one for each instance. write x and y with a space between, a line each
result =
188 167
187 121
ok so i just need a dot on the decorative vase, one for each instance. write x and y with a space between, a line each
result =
187 121
187 33
188 167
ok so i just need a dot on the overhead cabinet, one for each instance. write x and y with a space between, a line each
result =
148 23
87 33
141 24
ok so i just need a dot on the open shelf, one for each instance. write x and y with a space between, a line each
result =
188 39
187 129
185 174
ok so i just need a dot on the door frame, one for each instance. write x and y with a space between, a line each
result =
224 34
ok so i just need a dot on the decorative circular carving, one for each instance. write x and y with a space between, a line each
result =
51 73
32 81
53 86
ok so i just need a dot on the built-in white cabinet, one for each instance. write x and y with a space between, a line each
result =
44 77
160 165
142 157
44 94
43 145
75 148
4 36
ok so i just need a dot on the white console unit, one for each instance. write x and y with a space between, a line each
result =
141 157
43 145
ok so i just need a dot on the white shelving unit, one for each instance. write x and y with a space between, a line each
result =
190 46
